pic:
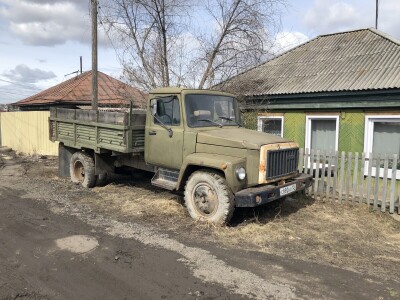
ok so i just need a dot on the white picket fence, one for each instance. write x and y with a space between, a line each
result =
353 178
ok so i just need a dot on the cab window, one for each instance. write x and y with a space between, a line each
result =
168 111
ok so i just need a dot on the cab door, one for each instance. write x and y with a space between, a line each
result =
164 147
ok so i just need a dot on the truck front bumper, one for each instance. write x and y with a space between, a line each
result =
260 195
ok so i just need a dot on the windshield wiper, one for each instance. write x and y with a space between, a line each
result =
211 121
229 119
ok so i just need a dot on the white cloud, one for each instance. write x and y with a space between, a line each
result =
47 23
389 20
22 73
326 16
329 16
286 40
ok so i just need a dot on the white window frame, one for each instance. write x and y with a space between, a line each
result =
368 141
261 119
310 118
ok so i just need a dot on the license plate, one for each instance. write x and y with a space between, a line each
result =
287 189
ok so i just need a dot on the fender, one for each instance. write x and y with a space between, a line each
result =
223 163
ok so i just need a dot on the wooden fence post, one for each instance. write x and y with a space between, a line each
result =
316 178
348 177
328 177
385 178
305 159
376 187
321 186
310 170
393 185
335 175
355 177
361 193
341 179
370 160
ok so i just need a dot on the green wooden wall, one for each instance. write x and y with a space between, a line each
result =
351 128
351 131
294 127
250 120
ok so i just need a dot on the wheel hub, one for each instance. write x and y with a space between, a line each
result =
79 171
205 198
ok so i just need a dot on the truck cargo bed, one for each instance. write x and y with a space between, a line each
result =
98 130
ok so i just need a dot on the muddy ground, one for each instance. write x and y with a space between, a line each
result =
299 248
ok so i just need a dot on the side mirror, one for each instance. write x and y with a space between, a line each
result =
153 106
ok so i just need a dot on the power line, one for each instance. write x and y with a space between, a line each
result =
14 93
21 84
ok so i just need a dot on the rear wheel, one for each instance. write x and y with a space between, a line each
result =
82 169
208 197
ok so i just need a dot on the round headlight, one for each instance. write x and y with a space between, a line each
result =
241 173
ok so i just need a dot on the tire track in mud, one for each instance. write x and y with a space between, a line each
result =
203 264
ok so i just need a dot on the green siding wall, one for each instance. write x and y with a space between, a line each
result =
250 120
351 131
351 128
294 127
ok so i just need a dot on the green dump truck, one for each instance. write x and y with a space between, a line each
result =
193 142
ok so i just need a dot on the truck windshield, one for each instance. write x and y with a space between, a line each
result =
203 110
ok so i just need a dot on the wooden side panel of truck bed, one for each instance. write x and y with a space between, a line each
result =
98 130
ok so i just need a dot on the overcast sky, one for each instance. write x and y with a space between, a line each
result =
41 40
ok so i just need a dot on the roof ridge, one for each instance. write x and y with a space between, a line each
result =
267 61
385 36
343 32
75 84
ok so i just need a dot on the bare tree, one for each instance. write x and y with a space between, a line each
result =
244 33
143 31
158 45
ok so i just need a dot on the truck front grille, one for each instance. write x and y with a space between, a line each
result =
281 162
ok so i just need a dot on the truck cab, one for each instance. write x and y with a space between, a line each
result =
196 140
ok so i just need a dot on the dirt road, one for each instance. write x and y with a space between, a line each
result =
57 243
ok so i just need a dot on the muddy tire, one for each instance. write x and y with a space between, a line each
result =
82 169
208 198
101 179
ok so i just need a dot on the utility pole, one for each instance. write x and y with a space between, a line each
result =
376 14
94 56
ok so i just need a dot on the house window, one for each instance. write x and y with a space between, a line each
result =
382 137
271 124
322 132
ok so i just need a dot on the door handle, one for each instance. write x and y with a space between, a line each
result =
152 132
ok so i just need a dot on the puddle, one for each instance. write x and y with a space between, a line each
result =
77 243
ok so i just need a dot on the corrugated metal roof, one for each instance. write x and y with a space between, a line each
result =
78 90
364 59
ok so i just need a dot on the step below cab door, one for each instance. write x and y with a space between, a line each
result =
164 133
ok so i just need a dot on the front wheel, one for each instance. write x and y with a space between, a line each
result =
208 197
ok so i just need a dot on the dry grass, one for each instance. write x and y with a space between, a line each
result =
139 201
326 232
332 233
346 236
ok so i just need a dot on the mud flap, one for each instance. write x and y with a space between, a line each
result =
64 158
103 164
